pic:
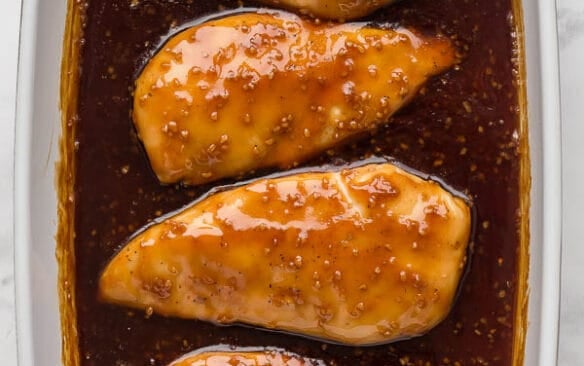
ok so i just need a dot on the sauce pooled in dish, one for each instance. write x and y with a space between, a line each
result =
462 127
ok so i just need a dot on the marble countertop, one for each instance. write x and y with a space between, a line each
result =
571 34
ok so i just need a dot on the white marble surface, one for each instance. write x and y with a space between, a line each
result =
9 23
571 29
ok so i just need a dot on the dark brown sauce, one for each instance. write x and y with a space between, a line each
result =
463 129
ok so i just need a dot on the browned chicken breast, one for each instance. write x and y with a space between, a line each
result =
362 256
332 9
245 358
262 90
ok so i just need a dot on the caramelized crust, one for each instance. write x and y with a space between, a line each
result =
252 358
363 256
262 90
332 9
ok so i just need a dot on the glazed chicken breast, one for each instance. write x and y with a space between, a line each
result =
332 9
270 90
245 358
362 256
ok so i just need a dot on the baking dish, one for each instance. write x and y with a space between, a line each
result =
37 151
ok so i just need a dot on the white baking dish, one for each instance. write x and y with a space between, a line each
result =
37 139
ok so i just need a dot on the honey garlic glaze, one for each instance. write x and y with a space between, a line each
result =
463 128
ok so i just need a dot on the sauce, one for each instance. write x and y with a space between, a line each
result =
463 128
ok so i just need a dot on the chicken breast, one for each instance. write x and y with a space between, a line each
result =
332 9
363 256
263 90
245 358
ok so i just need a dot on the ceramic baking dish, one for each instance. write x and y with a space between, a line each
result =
38 128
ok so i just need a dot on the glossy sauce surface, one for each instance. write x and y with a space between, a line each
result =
463 128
